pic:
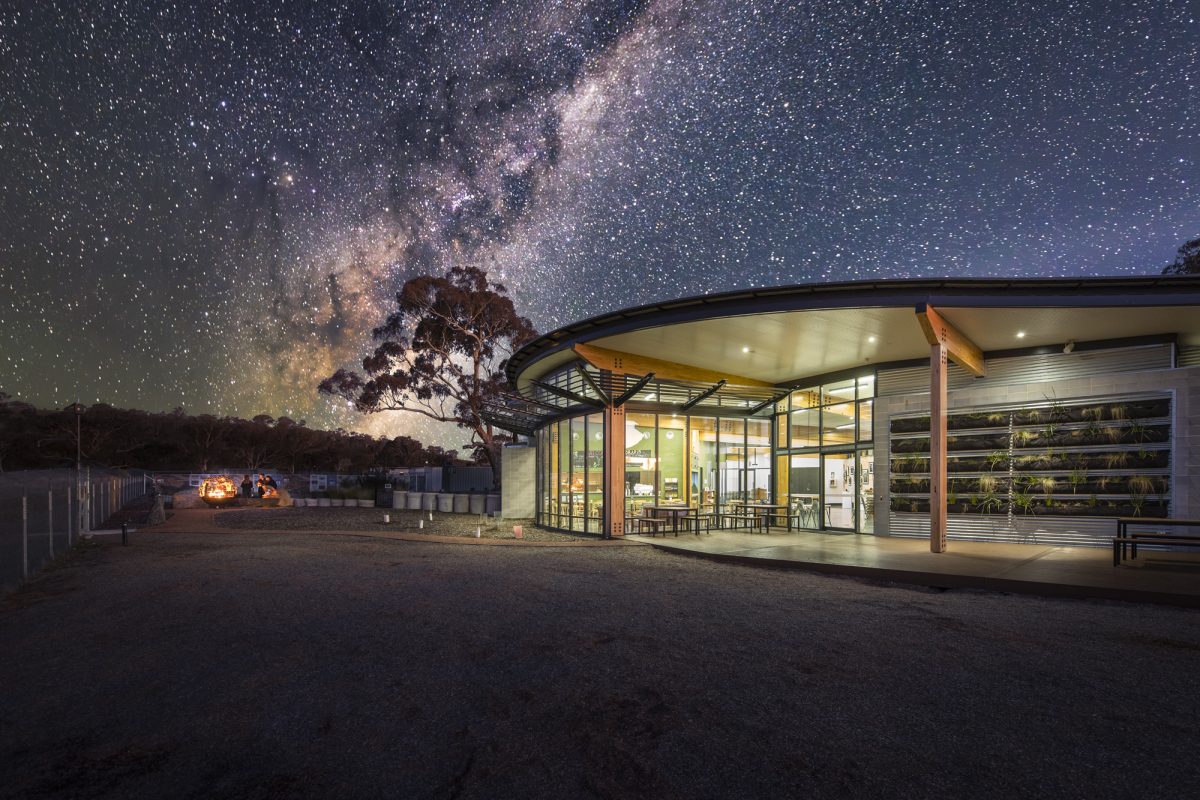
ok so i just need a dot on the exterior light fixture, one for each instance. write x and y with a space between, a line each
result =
872 339
745 349
1020 334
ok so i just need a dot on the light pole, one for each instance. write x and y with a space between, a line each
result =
78 469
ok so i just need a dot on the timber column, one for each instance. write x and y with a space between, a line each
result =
947 343
614 470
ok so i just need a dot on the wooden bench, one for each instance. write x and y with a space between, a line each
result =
751 520
1120 543
1126 541
655 524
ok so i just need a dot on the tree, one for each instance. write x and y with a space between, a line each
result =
441 354
1187 261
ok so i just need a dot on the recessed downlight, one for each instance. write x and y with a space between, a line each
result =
872 339
1020 334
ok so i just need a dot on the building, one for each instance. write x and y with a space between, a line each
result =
999 410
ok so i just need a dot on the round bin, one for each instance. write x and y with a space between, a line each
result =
428 501
475 503
493 503
413 503
461 503
399 499
445 502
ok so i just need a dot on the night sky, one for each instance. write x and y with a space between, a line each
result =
210 204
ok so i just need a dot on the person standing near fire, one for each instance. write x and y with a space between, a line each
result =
246 486
262 484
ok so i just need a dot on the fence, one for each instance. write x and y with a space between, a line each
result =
41 515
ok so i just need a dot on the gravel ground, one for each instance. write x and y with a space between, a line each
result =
250 666
371 519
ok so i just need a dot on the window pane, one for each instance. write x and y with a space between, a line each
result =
866 387
563 487
732 460
578 473
781 433
671 447
865 428
758 460
702 438
804 488
838 392
641 463
805 427
806 398
595 472
866 491
837 424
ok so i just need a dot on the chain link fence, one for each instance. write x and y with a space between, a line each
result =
42 513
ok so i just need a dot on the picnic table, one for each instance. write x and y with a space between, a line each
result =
1127 543
676 513
759 513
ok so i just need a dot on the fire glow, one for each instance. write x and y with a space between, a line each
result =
218 490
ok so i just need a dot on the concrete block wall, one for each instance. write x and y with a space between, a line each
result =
1183 384
518 485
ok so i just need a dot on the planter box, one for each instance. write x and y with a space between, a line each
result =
337 502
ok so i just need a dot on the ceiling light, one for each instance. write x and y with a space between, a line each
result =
1020 334
845 427
745 349
872 339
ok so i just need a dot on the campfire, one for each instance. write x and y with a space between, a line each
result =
218 490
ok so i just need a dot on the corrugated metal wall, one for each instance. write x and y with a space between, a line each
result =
1071 531
1032 369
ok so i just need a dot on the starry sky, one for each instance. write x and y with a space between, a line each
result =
210 204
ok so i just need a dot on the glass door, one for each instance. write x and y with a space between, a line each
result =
837 491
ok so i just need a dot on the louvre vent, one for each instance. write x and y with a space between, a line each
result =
1189 356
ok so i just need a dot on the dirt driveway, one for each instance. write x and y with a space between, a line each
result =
257 666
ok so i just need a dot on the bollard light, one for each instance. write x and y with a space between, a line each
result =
518 531
476 531
387 518
421 524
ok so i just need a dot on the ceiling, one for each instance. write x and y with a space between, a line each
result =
788 345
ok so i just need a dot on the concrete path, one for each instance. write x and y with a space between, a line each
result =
1155 577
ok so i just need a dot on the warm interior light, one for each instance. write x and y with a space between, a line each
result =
1020 334
872 339
847 426
745 349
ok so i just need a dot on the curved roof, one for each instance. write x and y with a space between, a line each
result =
783 333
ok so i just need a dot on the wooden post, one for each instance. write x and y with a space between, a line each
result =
24 536
937 447
614 471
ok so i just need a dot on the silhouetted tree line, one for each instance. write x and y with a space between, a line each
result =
1187 259
32 438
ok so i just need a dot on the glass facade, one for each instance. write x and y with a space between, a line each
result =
814 455
824 470
570 477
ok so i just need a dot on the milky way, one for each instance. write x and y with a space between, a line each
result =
209 205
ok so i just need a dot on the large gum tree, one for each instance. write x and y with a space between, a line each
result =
441 354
